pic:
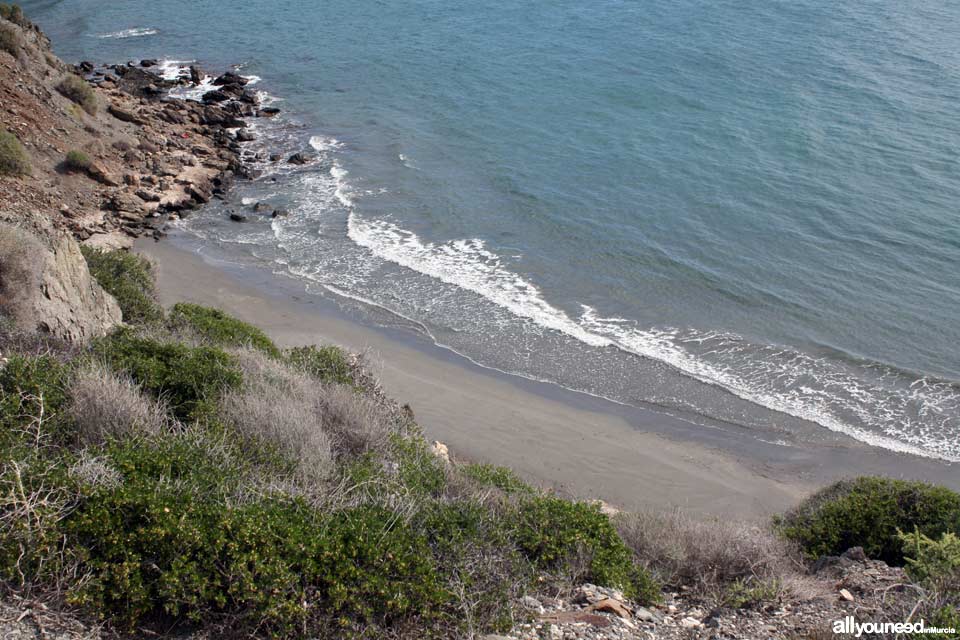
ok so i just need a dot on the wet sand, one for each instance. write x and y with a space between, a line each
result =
584 446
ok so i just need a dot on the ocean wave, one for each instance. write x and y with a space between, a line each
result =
918 417
136 32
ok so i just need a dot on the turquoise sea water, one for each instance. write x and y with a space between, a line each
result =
747 211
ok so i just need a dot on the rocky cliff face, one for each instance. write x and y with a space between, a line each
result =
150 159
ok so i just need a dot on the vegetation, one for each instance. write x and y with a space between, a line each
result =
217 328
14 14
129 279
196 475
13 157
77 161
9 40
79 91
869 512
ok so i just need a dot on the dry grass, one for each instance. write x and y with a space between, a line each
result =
21 266
708 556
105 405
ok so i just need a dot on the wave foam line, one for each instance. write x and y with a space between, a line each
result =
136 32
468 264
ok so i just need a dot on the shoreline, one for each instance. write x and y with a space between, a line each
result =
582 445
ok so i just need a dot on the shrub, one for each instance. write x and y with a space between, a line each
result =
502 478
551 532
13 157
77 161
218 328
869 512
187 378
32 396
9 40
79 91
104 405
327 364
711 557
129 279
928 558
278 405
13 13
21 266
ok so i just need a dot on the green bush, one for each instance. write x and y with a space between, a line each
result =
80 92
9 40
488 475
218 328
32 394
187 378
129 279
166 545
552 532
13 13
928 558
869 512
77 161
327 364
13 157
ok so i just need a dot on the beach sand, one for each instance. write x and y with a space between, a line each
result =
580 445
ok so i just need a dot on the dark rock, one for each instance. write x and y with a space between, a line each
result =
85 67
214 96
245 136
261 207
149 63
833 563
196 75
280 213
268 112
200 192
856 554
148 196
300 158
275 157
238 217
249 97
230 78
141 83
127 116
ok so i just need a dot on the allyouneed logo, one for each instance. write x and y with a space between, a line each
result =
850 626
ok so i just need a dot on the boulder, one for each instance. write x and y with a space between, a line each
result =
245 136
238 217
196 75
214 96
58 296
125 115
279 213
268 112
230 78
99 172
300 158
443 452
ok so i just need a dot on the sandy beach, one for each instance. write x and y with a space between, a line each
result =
580 445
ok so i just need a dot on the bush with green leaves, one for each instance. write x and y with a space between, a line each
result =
217 328
928 558
129 279
13 13
869 512
32 398
502 478
326 364
188 379
13 157
77 161
79 91
551 532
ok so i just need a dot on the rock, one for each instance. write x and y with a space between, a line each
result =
856 554
275 157
62 299
131 179
123 114
690 623
261 207
99 172
109 241
245 136
85 67
300 158
148 196
142 84
268 112
642 613
279 213
846 595
230 78
238 217
200 192
606 509
443 452
830 562
609 605
149 63
531 603
196 75
214 96
123 202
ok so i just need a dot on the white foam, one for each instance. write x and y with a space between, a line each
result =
785 381
136 32
324 144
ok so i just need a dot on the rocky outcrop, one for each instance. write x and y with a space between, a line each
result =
60 298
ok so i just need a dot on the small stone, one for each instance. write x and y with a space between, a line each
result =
690 623
238 217
644 614
846 595
528 601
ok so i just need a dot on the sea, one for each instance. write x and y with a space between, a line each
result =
742 212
